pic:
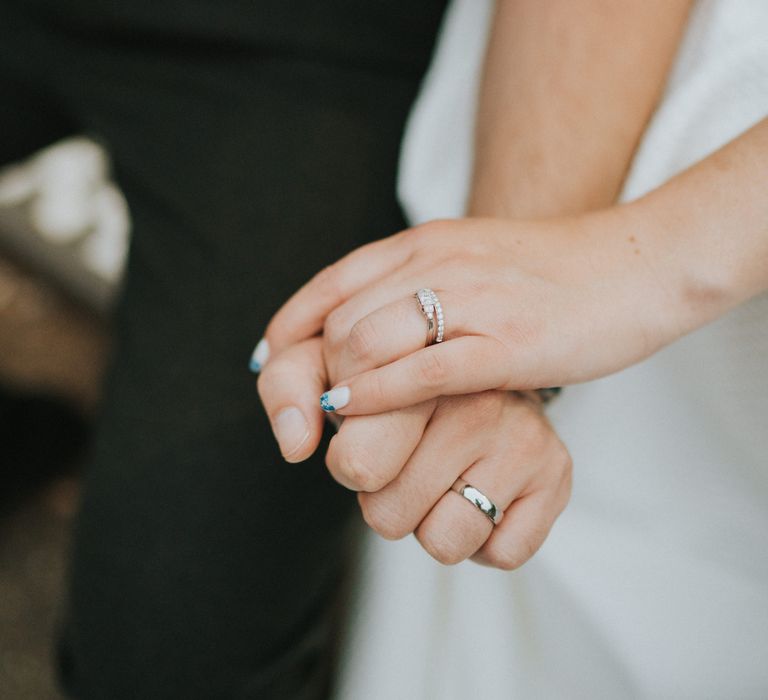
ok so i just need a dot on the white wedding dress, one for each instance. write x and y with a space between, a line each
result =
654 582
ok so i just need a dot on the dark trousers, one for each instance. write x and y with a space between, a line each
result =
255 143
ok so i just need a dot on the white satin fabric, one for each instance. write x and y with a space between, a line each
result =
654 582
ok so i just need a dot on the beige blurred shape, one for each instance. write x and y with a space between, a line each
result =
63 241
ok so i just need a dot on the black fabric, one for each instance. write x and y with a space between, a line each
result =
42 436
255 142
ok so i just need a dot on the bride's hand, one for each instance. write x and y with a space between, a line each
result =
537 304
526 305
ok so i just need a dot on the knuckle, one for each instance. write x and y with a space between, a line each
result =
376 388
563 498
474 412
480 288
268 382
263 384
336 327
522 331
486 407
439 546
565 487
362 339
537 434
434 370
382 518
560 465
564 459
506 561
351 466
506 558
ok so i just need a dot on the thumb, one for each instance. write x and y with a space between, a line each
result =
289 386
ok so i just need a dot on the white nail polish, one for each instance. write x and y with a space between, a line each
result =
260 356
335 399
291 430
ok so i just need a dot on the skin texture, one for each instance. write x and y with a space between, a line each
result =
545 61
528 300
636 277
568 88
403 463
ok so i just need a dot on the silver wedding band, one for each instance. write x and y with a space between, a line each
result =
433 311
477 498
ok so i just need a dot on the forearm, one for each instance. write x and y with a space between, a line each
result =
567 90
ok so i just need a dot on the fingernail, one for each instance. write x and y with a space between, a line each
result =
291 430
335 399
260 356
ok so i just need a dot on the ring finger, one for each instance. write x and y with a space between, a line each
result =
455 528
395 330
458 435
531 489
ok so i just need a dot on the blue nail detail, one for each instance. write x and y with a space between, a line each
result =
327 407
259 356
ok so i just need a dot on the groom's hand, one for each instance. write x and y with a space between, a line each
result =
404 462
288 386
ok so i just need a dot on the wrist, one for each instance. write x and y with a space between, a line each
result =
692 260
632 296
709 222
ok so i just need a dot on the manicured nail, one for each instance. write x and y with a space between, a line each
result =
335 399
260 356
291 430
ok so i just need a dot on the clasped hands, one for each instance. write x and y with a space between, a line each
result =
526 305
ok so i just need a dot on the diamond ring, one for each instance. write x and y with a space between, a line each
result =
433 311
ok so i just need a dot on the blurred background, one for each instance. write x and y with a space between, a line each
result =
63 237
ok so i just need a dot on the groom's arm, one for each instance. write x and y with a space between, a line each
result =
568 88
